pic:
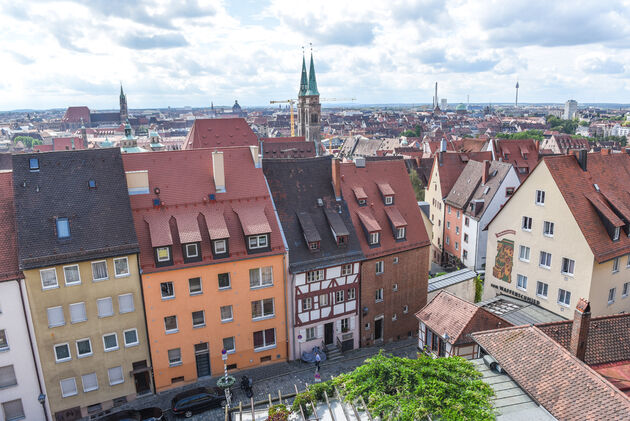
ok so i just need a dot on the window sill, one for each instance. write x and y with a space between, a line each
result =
523 260
615 271
54 326
168 298
199 326
85 356
544 297
568 274
526 230
380 273
521 289
227 320
73 284
378 301
225 288
544 267
127 312
175 364
257 319
47 288
611 303
132 345
264 348
540 204
547 235
69 396
192 294
100 280
105 316
112 349
117 383
125 275
63 361
170 332
264 286
5 349
564 305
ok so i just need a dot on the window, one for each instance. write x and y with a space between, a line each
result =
84 348
389 200
105 307
194 286
224 279
456 230
192 250
611 295
62 353
541 289
564 297
616 234
457 213
4 344
228 344
405 309
68 387
226 314
110 342
262 308
548 229
71 274
311 333
323 300
260 277
466 221
91 184
448 225
625 290
13 410
527 223
523 254
568 266
115 375
125 303
466 238
339 297
380 267
99 270
545 259
198 319
465 254
315 275
220 246
362 202
170 324
131 337
394 317
264 339
163 254
49 278
258 241
33 164
63 228
167 289
55 316
346 269
77 313
345 325
307 303
7 376
448 209
379 295
456 245
174 357
314 245
615 265
540 197
448 240
509 191
400 233
375 238
121 267
521 282
396 260
352 295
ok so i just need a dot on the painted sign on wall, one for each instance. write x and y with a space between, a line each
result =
503 263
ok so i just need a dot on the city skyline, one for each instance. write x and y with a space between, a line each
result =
191 54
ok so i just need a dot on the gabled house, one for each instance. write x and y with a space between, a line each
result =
395 243
220 133
523 154
563 143
323 282
212 260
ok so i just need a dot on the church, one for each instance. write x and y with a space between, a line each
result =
309 107
77 117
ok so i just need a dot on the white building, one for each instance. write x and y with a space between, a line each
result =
570 109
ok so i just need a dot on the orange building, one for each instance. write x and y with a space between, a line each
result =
212 260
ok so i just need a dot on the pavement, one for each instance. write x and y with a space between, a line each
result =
271 378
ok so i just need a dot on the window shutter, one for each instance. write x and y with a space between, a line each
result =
338 324
7 376
55 316
303 335
320 331
68 387
89 382
125 303
77 313
352 323
105 307
13 410
115 375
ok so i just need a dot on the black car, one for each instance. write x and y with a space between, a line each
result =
197 400
146 414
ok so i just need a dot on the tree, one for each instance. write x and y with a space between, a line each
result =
416 183
417 132
28 141
527 134
584 123
563 126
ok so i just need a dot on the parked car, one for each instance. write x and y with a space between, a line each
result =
146 414
197 400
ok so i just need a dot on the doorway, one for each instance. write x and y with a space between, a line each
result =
378 329
141 377
328 333
202 359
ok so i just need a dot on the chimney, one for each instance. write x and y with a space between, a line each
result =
486 172
579 331
582 157
219 171
255 156
537 143
605 151
336 178
443 145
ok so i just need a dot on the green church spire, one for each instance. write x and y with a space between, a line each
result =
312 82
304 79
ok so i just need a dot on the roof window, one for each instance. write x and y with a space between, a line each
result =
63 228
92 184
33 164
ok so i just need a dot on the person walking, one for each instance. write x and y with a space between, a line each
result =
318 360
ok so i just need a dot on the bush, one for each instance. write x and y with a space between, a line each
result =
278 413
303 400
478 288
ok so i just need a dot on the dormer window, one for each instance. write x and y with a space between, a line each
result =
342 240
616 234
362 202
401 233
219 246
63 228
389 200
163 256
314 246
375 238
192 252
33 164
258 241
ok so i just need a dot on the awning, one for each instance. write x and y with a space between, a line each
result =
188 228
368 220
395 217
217 228
159 229
253 220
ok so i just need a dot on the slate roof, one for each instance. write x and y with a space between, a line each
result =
296 184
453 278
611 173
219 133
448 314
518 312
9 268
554 378
100 219
608 337
288 149
186 181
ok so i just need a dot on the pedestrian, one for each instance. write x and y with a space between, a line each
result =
318 359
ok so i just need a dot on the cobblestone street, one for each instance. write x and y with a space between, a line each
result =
281 376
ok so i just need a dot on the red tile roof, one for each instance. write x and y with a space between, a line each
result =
291 149
394 216
452 164
159 229
611 173
283 139
75 114
189 196
555 379
362 182
65 143
188 228
220 133
521 153
386 189
616 373
8 236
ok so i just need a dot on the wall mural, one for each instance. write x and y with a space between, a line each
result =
503 263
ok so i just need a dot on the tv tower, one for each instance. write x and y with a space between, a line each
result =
516 93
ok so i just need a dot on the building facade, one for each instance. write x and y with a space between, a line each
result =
78 252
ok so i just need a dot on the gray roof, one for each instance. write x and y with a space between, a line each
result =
518 312
449 279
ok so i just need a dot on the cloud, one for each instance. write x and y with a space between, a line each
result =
599 64
147 42
21 58
347 33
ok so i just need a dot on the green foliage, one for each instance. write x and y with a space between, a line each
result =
584 123
28 141
416 183
417 132
478 288
303 400
563 126
278 413
449 389
617 139
438 274
527 134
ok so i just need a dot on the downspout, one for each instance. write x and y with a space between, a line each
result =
146 325
30 341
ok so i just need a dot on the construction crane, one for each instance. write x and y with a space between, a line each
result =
290 102
337 99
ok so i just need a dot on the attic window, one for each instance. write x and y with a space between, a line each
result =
33 164
92 184
342 239
63 228
362 202
486 190
616 234
389 200
596 187
314 245
375 238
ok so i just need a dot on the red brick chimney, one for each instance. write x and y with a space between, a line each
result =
579 331
486 172
336 178
605 151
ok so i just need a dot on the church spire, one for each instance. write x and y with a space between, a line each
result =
312 82
122 94
304 79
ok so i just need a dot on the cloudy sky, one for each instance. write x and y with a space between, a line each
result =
187 52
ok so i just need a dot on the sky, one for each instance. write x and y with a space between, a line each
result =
55 54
